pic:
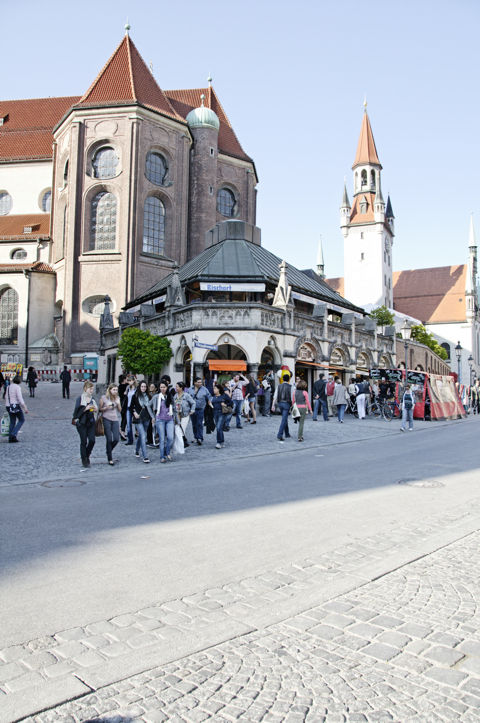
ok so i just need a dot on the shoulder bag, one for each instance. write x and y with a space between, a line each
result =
99 428
12 408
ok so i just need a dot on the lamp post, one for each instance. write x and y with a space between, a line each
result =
470 364
406 331
458 352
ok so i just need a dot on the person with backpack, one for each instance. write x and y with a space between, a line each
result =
320 397
283 399
408 403
65 378
201 397
360 389
330 392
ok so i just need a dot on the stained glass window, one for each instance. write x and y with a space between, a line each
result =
225 202
8 316
156 168
105 163
154 226
104 222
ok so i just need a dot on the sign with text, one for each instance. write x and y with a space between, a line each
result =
206 286
316 302
201 345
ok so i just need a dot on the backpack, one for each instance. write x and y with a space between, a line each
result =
408 403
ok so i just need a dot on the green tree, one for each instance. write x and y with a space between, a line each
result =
383 316
420 334
142 352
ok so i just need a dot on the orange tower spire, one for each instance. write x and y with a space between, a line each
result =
366 149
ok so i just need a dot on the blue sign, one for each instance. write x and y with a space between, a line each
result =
214 347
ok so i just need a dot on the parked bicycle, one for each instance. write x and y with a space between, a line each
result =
388 408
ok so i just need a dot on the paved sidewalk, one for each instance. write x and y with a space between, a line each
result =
49 446
403 648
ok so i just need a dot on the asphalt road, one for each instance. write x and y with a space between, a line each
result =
74 555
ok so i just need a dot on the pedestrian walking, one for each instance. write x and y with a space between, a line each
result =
162 407
283 398
235 388
32 380
2 383
352 391
267 384
84 420
221 400
65 378
141 415
183 406
109 407
123 396
408 403
152 390
339 399
320 398
6 384
300 398
330 391
475 393
251 391
201 396
360 389
132 388
16 408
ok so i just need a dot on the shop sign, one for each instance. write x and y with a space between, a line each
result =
201 345
205 286
159 299
416 378
391 375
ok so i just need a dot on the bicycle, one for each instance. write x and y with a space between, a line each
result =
382 407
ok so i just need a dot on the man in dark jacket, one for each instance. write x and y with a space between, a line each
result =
320 397
66 378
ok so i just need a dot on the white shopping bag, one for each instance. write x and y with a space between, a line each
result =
178 447
246 407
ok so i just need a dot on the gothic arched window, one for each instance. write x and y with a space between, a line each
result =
156 168
447 348
47 202
372 180
154 226
103 224
65 174
225 202
105 163
364 178
8 316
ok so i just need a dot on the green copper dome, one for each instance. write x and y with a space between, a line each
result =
200 117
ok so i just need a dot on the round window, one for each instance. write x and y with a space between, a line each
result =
95 305
19 254
6 203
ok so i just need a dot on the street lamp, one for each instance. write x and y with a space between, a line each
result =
470 363
458 352
406 330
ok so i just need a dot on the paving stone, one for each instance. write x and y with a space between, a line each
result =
446 656
68 636
447 677
396 639
85 660
142 641
24 681
123 621
55 671
10 671
69 650
471 647
115 649
471 686
382 652
325 631
387 621
39 660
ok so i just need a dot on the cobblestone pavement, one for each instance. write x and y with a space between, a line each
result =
49 442
402 648
407 640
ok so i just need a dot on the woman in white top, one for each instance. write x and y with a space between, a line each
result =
15 408
109 407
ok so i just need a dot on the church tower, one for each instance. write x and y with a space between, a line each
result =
368 228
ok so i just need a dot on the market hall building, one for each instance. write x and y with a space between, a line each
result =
238 307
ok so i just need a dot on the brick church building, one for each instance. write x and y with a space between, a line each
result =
105 192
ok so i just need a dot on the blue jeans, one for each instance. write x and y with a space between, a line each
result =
284 408
340 411
129 427
142 437
16 422
219 424
316 406
407 416
197 424
237 411
166 430
267 402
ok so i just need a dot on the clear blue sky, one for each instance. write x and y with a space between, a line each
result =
292 78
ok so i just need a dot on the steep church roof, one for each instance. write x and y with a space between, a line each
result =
432 295
366 149
356 216
125 78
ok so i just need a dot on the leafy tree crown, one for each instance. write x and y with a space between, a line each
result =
142 352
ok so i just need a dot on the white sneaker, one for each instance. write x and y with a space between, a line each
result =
402 429
410 430
218 446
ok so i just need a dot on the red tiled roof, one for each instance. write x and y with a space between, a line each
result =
356 216
431 295
186 100
366 149
337 285
27 132
126 78
37 266
11 226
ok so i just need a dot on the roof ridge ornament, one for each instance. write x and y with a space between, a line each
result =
127 27
365 104
202 98
209 80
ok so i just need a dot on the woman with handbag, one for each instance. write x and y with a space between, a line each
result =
251 397
162 406
222 407
109 407
183 407
301 405
84 420
32 380
141 415
14 407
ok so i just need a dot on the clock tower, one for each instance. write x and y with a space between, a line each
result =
368 228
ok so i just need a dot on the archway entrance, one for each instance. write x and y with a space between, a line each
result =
306 364
227 359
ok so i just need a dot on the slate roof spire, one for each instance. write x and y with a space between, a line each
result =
389 211
125 78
